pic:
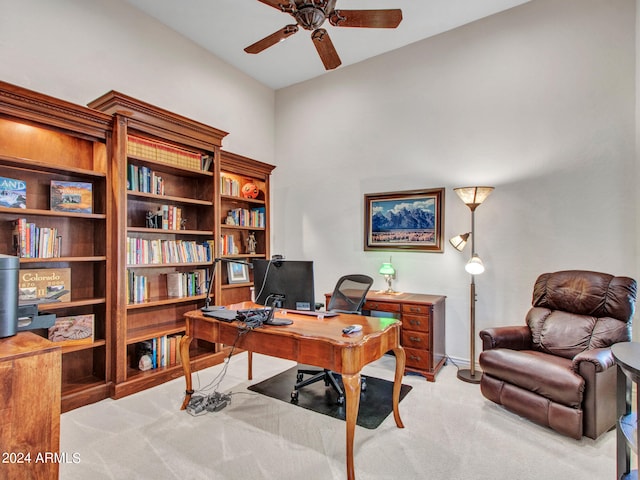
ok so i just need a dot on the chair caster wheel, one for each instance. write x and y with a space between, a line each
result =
299 377
294 396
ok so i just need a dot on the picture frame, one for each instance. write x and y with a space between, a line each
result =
237 272
409 220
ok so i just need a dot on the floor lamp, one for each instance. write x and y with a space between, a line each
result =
472 197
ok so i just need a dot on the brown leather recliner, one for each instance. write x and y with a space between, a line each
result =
558 369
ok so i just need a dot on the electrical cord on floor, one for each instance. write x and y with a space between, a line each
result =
202 402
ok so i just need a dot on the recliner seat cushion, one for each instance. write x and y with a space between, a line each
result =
547 375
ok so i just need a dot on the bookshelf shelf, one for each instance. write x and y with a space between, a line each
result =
100 258
242 200
85 346
20 163
88 302
160 231
23 212
156 302
46 139
140 334
169 199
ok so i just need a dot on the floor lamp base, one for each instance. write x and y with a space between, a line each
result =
466 376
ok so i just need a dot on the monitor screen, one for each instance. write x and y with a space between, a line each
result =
284 283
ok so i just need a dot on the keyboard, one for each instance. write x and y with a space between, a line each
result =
223 314
314 313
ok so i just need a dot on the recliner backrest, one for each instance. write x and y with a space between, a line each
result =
577 310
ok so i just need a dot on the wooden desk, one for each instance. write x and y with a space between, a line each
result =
314 341
423 327
30 369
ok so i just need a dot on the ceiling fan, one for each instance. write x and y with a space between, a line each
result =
311 14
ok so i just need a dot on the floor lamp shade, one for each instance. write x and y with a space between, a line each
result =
473 196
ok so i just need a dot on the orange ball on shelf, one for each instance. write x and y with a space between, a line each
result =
250 190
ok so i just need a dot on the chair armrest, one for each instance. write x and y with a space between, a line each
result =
514 338
601 358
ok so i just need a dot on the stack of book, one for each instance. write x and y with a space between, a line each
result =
143 179
137 287
156 151
244 217
31 241
163 351
229 186
227 245
187 284
142 251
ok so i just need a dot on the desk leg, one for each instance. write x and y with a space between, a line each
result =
352 399
186 367
250 365
397 384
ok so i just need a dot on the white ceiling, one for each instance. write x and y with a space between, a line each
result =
226 27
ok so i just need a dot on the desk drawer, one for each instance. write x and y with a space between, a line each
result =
419 359
416 309
419 340
381 306
415 322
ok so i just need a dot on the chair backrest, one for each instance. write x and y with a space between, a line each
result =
577 310
349 293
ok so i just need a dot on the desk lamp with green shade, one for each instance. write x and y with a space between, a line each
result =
389 273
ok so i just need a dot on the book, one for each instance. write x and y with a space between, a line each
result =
13 193
71 196
72 330
174 284
36 283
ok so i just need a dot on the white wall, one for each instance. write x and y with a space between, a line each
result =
537 101
77 50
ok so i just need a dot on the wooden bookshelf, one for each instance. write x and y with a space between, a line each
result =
158 165
234 172
44 139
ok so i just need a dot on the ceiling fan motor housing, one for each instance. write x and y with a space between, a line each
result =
311 14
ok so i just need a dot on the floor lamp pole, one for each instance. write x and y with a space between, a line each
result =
470 375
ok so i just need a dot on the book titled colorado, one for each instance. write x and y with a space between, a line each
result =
13 193
71 196
38 283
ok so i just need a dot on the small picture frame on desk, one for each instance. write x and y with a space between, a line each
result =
237 272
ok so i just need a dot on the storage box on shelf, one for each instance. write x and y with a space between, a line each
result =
243 220
43 139
164 171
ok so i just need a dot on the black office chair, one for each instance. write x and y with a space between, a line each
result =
348 297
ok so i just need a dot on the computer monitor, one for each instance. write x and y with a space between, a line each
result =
284 283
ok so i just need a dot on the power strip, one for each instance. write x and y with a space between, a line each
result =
199 405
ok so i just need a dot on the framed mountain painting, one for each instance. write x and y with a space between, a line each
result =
410 220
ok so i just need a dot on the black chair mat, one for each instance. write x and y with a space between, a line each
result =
375 402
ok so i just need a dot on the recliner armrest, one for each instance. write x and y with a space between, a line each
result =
514 338
601 358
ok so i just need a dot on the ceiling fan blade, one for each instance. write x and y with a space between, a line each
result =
366 18
282 5
272 39
325 49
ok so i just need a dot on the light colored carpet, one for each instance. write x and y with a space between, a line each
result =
451 432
